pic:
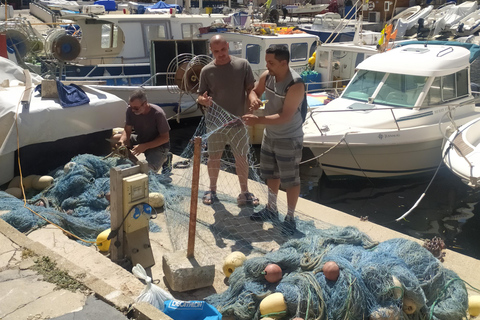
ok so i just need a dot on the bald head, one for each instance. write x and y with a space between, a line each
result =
217 40
219 48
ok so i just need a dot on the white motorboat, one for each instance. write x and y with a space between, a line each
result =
307 9
27 118
461 153
405 26
467 26
244 45
391 118
330 27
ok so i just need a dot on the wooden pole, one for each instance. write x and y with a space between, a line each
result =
194 197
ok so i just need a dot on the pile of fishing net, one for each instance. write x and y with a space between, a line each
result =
395 279
77 201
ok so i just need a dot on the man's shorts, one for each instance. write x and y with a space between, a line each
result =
280 159
235 136
154 156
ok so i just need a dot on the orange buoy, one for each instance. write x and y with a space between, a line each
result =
331 270
273 273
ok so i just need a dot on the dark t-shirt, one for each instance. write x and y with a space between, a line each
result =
148 126
227 84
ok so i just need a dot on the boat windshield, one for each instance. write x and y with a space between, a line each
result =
399 90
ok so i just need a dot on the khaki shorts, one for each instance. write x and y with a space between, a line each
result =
235 136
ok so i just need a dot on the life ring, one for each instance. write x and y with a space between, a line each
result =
371 5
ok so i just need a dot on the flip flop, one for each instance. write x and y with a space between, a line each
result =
209 197
247 198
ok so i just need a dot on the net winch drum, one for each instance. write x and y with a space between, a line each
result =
62 46
17 43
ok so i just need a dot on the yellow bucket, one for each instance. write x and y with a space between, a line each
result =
208 10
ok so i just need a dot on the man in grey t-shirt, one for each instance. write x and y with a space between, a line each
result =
227 81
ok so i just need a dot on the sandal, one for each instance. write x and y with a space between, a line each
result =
247 198
209 197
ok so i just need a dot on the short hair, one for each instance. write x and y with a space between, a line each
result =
138 94
280 51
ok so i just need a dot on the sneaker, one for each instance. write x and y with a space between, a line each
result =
264 215
289 226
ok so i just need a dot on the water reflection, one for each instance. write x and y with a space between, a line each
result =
449 208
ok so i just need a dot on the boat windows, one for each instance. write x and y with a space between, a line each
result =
235 48
156 32
298 52
363 85
400 90
190 30
253 53
109 36
447 88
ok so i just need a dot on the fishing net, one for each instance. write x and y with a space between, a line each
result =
77 200
395 279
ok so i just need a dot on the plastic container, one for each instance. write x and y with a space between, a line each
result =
311 78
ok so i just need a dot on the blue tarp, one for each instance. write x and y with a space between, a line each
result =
163 5
109 5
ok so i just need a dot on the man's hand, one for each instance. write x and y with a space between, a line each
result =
205 100
139 148
250 119
255 104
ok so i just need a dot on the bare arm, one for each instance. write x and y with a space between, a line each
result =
292 101
125 138
257 92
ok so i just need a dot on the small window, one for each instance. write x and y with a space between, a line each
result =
253 53
190 30
299 52
447 88
156 32
235 48
109 36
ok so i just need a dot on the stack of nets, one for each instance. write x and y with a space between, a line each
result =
365 288
77 199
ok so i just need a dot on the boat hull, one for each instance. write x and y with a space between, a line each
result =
380 161
461 153
161 96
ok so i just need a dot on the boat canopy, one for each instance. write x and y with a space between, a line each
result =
429 60
163 5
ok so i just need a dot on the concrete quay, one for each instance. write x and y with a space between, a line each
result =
24 296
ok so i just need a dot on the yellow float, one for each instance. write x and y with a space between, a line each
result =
273 304
233 261
474 305
102 243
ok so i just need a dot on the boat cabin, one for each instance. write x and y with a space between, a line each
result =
252 47
401 78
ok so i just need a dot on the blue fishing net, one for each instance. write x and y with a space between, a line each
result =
77 200
365 288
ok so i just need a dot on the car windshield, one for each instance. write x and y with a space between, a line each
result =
397 90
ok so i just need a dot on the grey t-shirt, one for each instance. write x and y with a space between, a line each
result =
227 84
275 93
149 126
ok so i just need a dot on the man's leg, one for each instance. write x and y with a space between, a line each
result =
273 187
292 198
156 157
241 167
213 165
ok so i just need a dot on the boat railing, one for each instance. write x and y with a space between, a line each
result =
391 110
